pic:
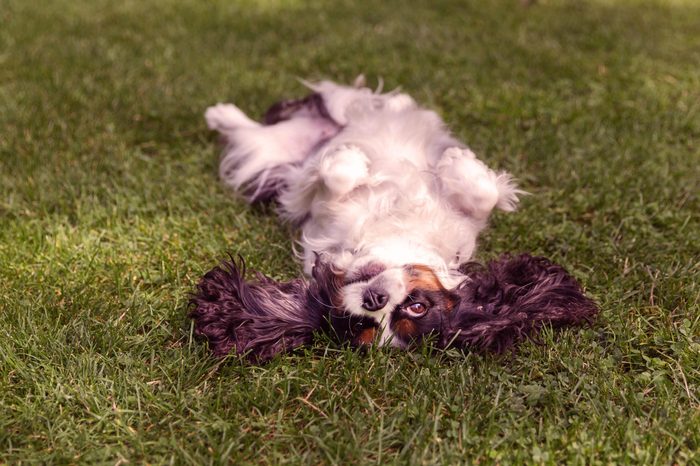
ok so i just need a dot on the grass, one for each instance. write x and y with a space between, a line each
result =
110 210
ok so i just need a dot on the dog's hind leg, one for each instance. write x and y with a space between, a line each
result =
256 156
228 117
338 100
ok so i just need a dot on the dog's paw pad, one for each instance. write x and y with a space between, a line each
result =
462 165
483 196
453 154
344 169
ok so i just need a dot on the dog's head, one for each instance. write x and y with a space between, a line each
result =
404 262
402 300
491 308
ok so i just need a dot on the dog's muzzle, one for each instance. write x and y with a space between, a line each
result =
374 299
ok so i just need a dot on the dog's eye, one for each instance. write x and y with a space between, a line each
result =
416 309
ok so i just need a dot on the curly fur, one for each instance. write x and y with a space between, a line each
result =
512 298
258 318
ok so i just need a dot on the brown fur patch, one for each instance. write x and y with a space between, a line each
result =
422 277
366 336
405 328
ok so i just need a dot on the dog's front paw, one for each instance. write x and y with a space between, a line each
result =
472 187
344 169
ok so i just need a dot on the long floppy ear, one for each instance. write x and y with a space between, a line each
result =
259 318
510 299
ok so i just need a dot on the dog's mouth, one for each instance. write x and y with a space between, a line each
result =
365 273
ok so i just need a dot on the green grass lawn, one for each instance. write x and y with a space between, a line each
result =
110 210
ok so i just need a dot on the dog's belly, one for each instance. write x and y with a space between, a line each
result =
391 226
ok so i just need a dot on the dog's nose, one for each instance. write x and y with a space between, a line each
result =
374 299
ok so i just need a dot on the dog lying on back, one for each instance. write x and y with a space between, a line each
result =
389 205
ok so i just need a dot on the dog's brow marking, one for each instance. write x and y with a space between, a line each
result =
422 277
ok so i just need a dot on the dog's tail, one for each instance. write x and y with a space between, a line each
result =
512 298
259 318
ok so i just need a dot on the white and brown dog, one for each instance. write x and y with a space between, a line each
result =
389 205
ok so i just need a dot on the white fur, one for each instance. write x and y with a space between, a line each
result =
390 186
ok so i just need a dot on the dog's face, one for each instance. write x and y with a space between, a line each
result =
406 301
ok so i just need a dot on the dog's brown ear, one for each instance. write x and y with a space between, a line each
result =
510 299
258 318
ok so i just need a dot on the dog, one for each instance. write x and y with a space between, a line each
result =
389 206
